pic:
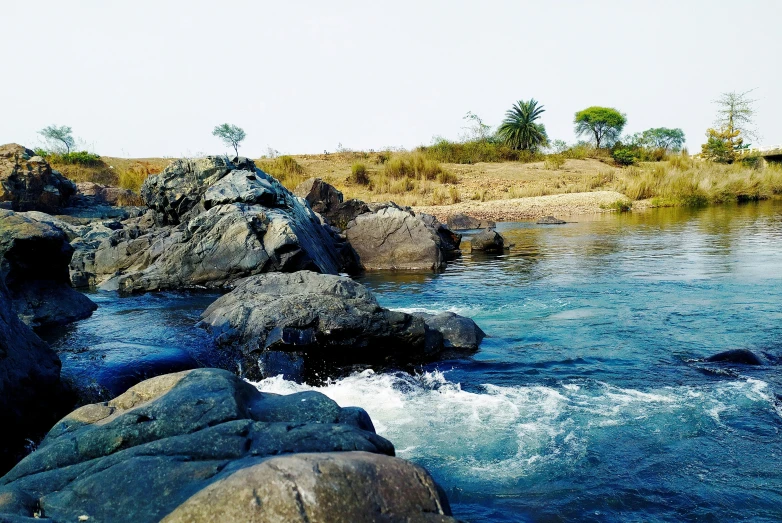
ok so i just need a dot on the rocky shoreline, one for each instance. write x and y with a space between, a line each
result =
207 443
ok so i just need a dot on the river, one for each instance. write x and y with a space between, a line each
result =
590 400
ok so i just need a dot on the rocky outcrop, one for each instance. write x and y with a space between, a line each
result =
390 237
106 194
459 333
222 220
327 201
34 265
463 222
28 182
29 384
306 325
550 220
204 445
489 241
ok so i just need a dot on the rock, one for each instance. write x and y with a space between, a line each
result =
30 391
463 222
29 183
550 220
336 486
390 237
236 221
488 240
742 356
327 201
458 332
106 194
34 261
307 326
190 446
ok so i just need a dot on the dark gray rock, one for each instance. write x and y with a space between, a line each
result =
550 220
390 237
327 201
34 265
30 390
742 356
204 445
29 183
458 332
488 240
323 322
463 222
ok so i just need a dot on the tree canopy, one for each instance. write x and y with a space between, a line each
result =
603 125
660 138
519 130
736 112
59 135
231 135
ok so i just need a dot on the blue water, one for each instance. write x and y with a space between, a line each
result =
590 400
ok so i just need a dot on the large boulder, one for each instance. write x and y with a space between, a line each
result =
329 202
29 384
204 445
222 220
489 241
306 326
463 222
459 333
391 237
34 265
29 183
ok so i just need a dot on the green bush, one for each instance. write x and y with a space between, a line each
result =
358 174
554 161
475 151
43 153
624 156
76 158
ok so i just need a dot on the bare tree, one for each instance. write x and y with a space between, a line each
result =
231 135
736 112
57 134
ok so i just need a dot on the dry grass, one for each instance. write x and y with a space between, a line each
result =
118 172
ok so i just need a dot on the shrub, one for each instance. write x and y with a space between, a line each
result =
282 167
624 156
76 158
358 174
453 192
619 206
43 153
753 161
414 165
554 162
447 177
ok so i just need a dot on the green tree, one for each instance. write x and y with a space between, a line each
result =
59 135
602 124
519 129
660 138
722 146
231 135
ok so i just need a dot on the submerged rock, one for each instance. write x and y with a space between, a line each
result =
30 390
204 445
742 356
304 324
550 220
29 183
34 264
462 222
488 240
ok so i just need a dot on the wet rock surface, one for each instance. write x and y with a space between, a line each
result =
550 220
203 445
34 265
306 326
30 390
489 241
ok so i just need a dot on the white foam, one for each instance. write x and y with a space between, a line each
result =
501 434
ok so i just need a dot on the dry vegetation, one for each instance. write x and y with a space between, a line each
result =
416 179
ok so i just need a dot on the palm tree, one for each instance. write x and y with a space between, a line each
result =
519 130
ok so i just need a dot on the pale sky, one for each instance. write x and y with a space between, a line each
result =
152 78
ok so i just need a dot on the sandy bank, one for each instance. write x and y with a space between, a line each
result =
531 207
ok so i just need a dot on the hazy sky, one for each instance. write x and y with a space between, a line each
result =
152 78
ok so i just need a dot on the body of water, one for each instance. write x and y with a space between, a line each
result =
590 400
